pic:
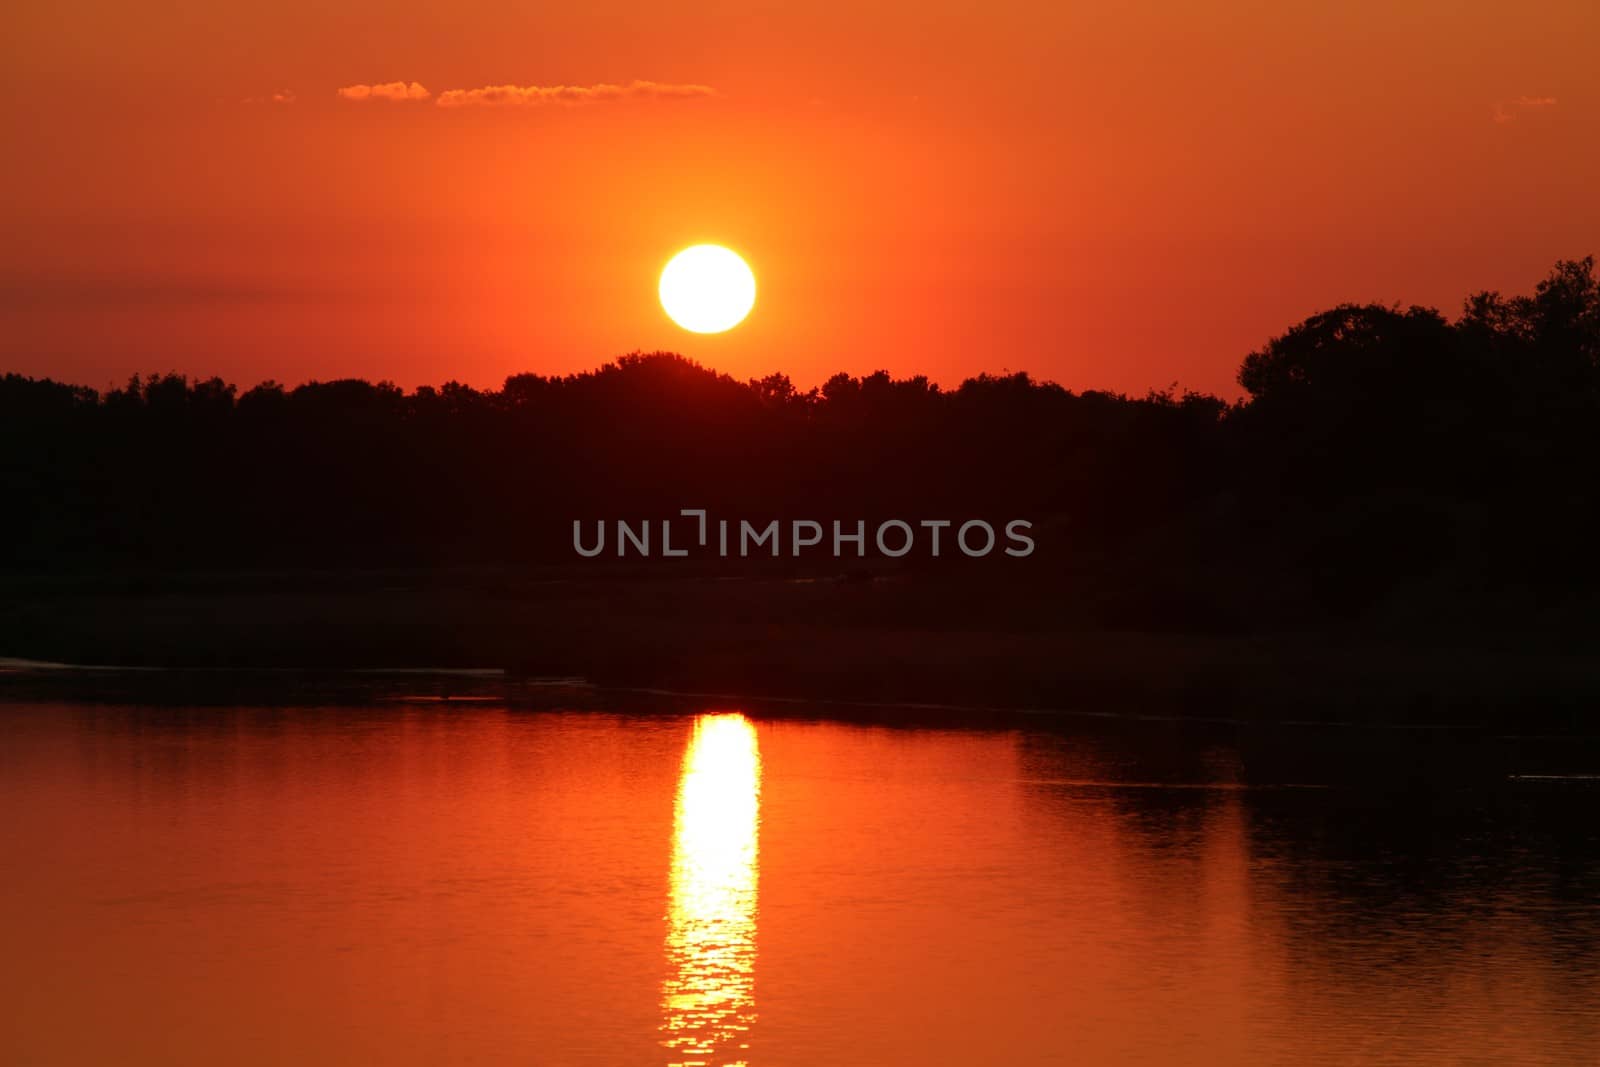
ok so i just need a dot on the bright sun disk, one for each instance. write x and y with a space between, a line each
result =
707 289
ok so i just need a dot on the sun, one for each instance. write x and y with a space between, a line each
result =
707 289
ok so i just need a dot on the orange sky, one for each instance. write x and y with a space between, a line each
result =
1113 196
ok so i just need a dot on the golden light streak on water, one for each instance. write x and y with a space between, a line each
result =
708 999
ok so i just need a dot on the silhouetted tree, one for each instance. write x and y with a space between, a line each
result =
1381 450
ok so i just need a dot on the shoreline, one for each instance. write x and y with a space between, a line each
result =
929 647
1377 758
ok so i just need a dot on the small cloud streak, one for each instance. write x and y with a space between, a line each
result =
394 92
1504 112
525 96
282 96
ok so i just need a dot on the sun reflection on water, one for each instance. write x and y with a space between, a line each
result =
708 999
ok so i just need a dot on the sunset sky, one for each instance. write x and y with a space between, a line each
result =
1112 196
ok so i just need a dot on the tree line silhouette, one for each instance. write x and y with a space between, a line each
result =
1385 460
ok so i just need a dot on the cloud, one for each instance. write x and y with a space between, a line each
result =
1504 112
569 95
282 96
395 92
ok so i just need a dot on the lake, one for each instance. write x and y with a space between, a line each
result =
444 883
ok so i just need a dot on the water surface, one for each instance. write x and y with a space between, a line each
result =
424 885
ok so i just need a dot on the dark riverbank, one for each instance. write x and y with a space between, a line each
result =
862 640
1416 759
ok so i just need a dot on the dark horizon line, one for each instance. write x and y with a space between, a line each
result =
1570 268
1172 388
